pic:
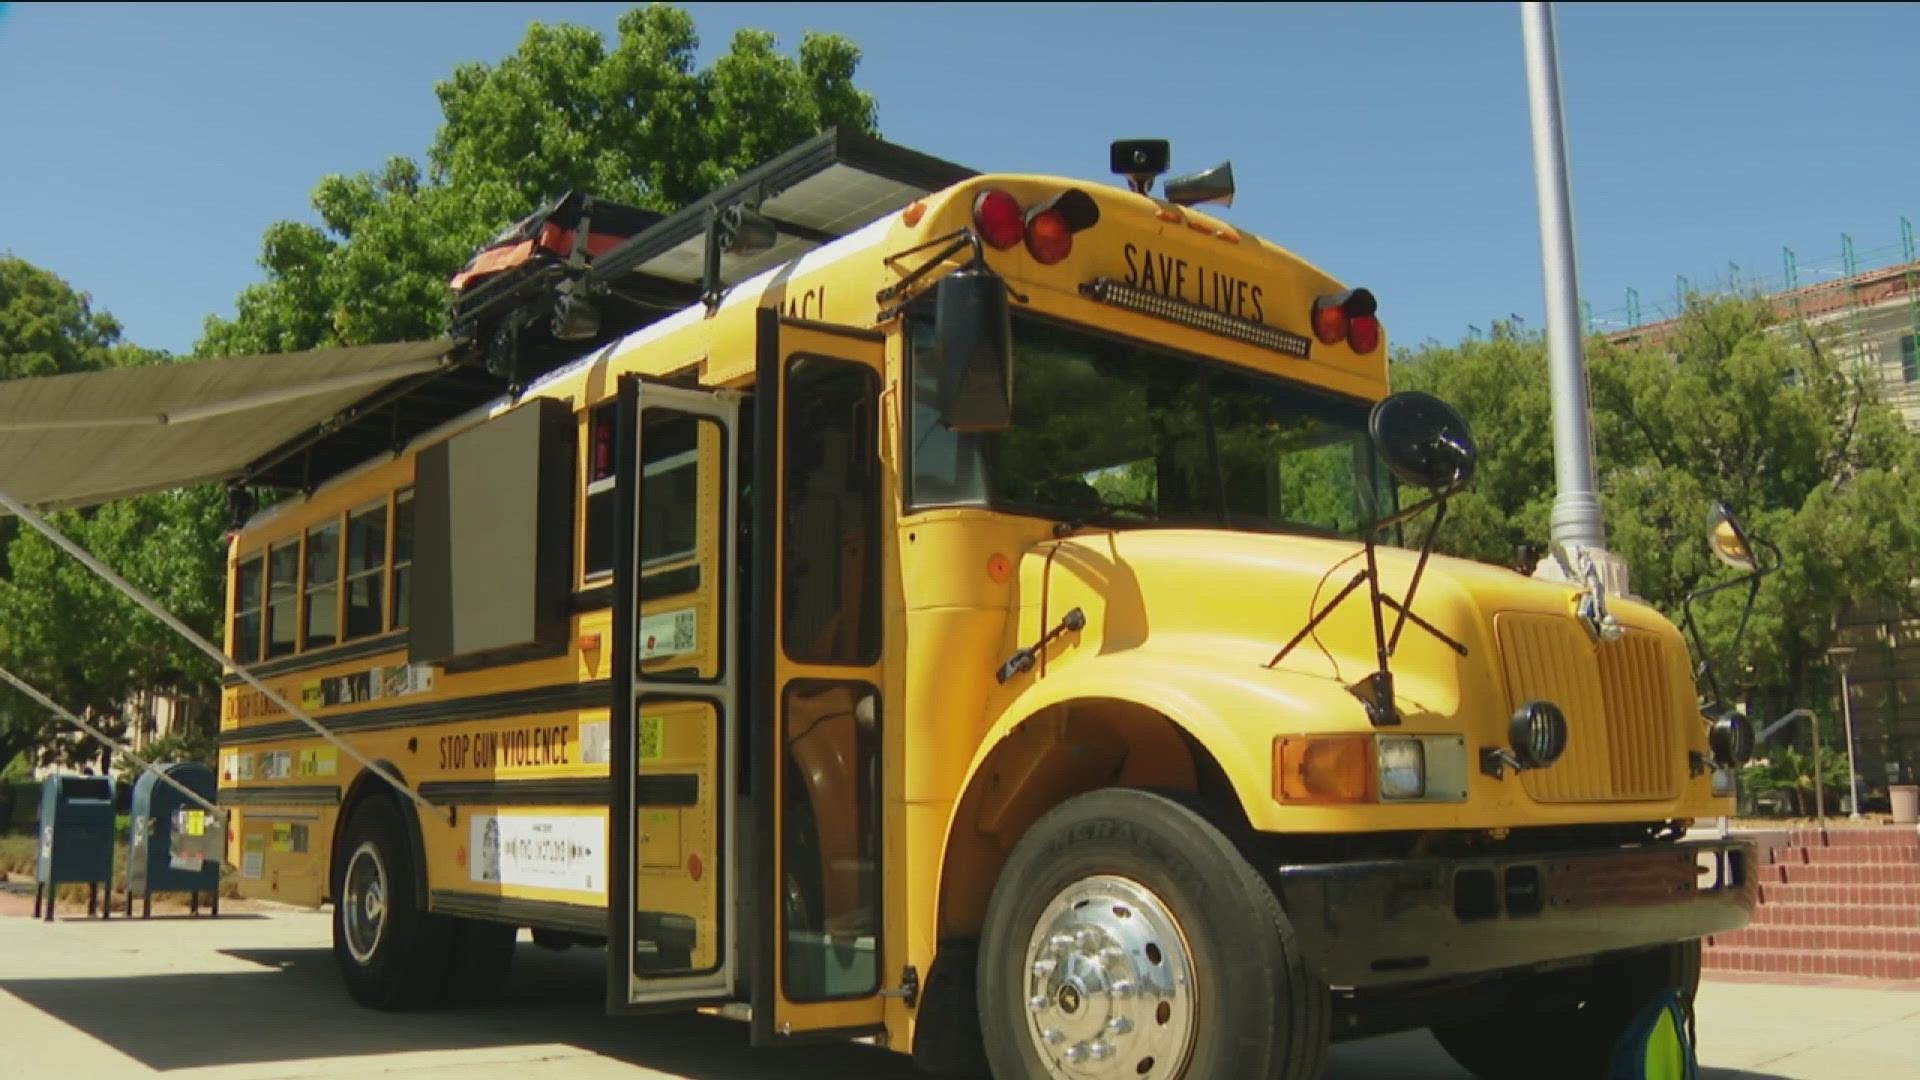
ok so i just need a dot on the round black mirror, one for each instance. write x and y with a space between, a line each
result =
1422 439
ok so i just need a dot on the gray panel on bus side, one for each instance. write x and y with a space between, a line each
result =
493 540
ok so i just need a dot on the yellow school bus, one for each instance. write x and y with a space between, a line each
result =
988 630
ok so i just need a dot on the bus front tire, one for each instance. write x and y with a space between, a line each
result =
1567 1023
1128 934
392 953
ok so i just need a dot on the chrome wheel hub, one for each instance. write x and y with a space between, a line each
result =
363 907
1110 988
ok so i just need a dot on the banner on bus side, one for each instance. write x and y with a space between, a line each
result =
547 852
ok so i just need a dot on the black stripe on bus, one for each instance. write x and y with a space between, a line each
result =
576 918
659 790
337 654
541 699
565 791
762 885
678 582
598 598
296 795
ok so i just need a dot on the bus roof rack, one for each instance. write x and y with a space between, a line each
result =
523 325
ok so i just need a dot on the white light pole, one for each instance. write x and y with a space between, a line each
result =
1577 524
1842 656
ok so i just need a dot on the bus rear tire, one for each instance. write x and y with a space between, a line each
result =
392 953
1126 934
1567 1023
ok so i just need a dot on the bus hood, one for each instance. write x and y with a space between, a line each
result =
1224 600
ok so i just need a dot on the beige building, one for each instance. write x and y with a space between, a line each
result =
150 717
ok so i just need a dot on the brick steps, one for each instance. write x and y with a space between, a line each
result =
1886 855
1860 965
1899 916
1855 895
1820 939
1821 873
1839 903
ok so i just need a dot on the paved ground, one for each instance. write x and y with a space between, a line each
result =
254 997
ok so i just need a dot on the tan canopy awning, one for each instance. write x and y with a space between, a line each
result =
91 437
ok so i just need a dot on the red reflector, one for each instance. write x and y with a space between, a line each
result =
1329 324
695 868
999 219
1049 237
1363 333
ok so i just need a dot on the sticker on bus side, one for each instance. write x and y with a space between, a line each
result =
596 742
538 851
253 864
671 633
373 684
648 745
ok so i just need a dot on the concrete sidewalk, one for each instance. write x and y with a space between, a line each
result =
254 996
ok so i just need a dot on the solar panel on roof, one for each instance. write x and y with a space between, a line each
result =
823 189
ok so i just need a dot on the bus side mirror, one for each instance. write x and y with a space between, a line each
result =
1728 540
1422 440
974 328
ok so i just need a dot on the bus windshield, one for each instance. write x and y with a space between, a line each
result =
1115 432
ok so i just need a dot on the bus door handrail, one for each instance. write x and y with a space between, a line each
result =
153 608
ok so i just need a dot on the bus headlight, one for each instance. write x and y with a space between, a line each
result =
1538 733
1731 738
1422 768
1403 769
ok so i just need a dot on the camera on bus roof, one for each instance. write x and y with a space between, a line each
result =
1141 160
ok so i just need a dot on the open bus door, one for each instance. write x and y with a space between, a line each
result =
817 702
675 875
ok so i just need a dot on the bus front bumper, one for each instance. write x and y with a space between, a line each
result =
1414 920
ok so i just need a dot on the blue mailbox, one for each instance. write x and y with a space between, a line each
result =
76 840
173 843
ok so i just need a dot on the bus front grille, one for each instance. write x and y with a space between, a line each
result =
1619 702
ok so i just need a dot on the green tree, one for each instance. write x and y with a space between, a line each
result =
60 629
81 643
1731 405
47 328
1500 386
636 122
1786 774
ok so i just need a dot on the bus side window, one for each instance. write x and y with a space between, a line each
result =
323 586
245 646
283 578
831 550
366 569
669 488
402 559
597 556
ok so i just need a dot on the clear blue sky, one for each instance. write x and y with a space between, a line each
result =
144 148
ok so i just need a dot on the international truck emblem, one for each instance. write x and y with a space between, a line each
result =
1591 607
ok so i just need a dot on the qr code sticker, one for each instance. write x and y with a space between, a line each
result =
648 743
673 633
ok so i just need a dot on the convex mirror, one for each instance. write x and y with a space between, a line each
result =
1423 440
